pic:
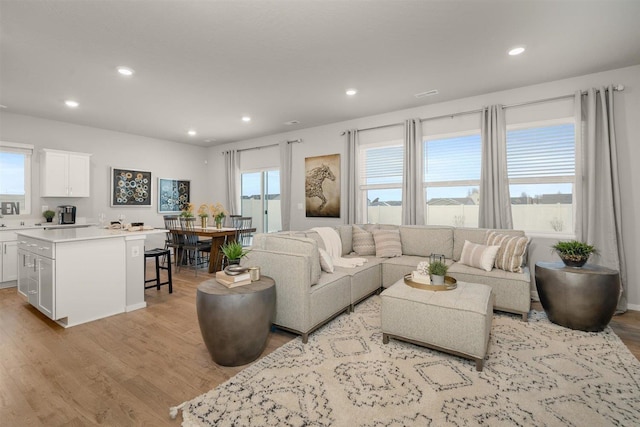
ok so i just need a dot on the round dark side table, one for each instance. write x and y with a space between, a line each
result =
582 298
235 322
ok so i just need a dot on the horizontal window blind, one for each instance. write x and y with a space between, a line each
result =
452 159
541 151
381 165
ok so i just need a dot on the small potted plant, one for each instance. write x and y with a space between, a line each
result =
218 213
49 215
203 213
187 211
574 253
437 271
234 251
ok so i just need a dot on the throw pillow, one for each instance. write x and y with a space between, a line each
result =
478 256
387 243
326 263
363 243
512 250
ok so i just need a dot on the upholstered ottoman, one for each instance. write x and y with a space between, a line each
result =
456 321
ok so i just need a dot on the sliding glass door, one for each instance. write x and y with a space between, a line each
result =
261 199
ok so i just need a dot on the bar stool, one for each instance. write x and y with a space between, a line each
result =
157 253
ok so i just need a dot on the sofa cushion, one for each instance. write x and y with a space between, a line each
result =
346 236
387 243
512 250
363 243
326 263
423 240
297 245
479 256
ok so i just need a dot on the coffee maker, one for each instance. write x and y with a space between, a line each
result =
66 214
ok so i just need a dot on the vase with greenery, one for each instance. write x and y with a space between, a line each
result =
234 251
49 215
437 271
203 213
573 252
219 213
187 211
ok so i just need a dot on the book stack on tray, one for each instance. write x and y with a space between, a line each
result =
232 281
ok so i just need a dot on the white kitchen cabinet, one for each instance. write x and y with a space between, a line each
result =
9 263
64 174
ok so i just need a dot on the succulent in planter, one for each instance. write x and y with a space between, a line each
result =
573 252
437 270
48 215
234 251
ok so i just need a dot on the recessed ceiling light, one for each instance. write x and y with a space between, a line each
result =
71 104
351 92
292 122
192 132
125 71
246 118
516 50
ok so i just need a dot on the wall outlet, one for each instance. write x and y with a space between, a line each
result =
135 251
300 207
45 208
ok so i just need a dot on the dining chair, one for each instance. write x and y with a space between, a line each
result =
193 247
244 235
173 240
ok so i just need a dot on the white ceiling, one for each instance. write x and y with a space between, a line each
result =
205 64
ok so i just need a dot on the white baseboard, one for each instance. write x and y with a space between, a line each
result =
634 307
135 306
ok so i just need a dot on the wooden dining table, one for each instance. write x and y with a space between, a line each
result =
217 236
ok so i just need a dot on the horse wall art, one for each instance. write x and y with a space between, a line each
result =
322 186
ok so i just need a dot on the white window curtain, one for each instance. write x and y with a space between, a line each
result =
286 150
599 221
495 203
412 191
353 215
231 169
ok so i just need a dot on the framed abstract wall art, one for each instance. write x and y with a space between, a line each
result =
130 187
173 195
322 186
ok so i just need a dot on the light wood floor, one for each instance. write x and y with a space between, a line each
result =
128 369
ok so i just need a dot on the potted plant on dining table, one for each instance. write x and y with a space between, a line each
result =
203 213
218 213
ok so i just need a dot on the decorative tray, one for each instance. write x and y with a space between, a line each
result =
449 284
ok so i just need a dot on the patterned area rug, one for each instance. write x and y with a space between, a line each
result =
535 374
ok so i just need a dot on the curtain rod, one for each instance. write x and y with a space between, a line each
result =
617 87
292 141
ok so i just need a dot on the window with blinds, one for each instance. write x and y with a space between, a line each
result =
541 164
452 179
381 182
15 178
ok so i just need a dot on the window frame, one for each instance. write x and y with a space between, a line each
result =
555 179
458 183
363 188
27 151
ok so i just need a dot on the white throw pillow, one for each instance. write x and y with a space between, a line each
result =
478 256
363 243
512 251
326 263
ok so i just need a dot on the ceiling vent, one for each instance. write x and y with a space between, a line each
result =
292 122
427 93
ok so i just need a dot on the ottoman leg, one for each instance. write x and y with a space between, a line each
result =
385 339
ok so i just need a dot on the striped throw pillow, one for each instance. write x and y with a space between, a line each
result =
363 243
512 250
478 256
387 243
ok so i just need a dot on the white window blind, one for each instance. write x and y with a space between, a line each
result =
381 165
541 152
452 159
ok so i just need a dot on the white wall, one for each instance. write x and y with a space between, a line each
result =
162 158
327 140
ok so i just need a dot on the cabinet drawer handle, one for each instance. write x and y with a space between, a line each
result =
31 245
43 248
32 292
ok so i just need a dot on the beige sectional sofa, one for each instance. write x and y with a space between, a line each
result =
307 297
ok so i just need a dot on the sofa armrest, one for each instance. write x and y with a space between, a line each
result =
292 274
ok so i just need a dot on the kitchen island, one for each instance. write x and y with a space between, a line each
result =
77 275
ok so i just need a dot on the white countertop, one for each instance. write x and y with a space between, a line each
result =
48 225
90 233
